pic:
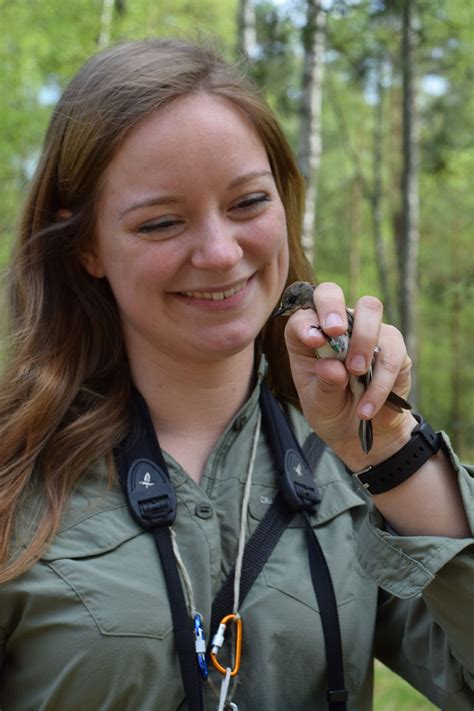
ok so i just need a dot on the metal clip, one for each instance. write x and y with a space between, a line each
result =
200 646
218 641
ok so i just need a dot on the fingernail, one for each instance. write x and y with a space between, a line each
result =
358 363
333 320
314 329
367 410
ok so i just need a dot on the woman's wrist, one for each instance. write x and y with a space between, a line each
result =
386 444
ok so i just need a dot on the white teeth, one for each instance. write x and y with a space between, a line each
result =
215 295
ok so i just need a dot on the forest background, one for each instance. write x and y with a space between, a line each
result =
376 99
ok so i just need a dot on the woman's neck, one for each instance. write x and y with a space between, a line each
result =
191 404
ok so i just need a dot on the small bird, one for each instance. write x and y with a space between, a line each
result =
299 295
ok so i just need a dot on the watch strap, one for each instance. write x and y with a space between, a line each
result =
392 472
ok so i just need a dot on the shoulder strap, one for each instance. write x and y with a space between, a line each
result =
267 534
152 501
256 553
300 494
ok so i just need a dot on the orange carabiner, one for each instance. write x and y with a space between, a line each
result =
218 641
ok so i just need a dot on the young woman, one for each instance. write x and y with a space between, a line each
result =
161 229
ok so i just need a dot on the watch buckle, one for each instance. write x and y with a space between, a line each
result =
364 485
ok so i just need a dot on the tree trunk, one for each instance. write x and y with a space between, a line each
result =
246 29
456 348
354 236
310 135
105 23
376 198
410 198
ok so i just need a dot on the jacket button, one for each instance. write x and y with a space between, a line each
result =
203 510
239 423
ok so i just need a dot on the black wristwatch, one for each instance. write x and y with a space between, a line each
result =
400 466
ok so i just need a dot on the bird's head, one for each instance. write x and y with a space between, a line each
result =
298 295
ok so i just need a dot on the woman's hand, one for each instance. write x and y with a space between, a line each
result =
328 403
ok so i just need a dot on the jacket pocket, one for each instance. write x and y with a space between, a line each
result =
117 578
287 569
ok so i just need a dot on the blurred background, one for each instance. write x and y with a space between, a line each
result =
376 97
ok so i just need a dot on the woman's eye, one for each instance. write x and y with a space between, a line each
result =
158 226
251 201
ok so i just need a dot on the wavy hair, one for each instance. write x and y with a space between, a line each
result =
66 382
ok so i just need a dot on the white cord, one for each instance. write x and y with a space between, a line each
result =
224 690
188 586
243 515
225 699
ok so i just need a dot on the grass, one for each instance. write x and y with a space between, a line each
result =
394 694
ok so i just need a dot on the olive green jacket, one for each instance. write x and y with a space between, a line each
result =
89 627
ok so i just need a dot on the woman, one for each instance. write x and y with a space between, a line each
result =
161 229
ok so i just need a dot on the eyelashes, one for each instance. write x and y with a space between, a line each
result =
252 201
171 225
158 226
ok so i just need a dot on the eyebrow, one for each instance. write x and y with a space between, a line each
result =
151 202
178 200
249 176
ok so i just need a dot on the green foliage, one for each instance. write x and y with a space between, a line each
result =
394 694
44 43
363 37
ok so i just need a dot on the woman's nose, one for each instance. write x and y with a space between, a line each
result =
217 247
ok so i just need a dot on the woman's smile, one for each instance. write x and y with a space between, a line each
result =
216 294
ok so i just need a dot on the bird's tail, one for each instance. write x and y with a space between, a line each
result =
366 435
397 403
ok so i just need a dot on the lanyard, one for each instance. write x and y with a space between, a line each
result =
152 501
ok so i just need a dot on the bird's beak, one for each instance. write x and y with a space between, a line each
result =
278 311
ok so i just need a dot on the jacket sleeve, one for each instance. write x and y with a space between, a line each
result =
425 621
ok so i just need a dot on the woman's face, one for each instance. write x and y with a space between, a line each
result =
191 232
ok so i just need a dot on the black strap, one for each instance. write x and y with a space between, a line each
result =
264 539
256 553
296 480
152 501
182 629
323 587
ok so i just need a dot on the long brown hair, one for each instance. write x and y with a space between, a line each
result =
65 388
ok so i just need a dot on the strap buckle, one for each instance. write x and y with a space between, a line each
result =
297 484
151 497
337 696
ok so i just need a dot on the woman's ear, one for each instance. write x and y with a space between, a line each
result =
89 258
91 262
63 214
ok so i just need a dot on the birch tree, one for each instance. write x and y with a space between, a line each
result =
410 199
246 28
105 23
376 194
310 136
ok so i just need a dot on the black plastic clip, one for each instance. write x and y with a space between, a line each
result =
297 484
337 696
151 497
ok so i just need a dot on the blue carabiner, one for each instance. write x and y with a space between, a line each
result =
200 646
